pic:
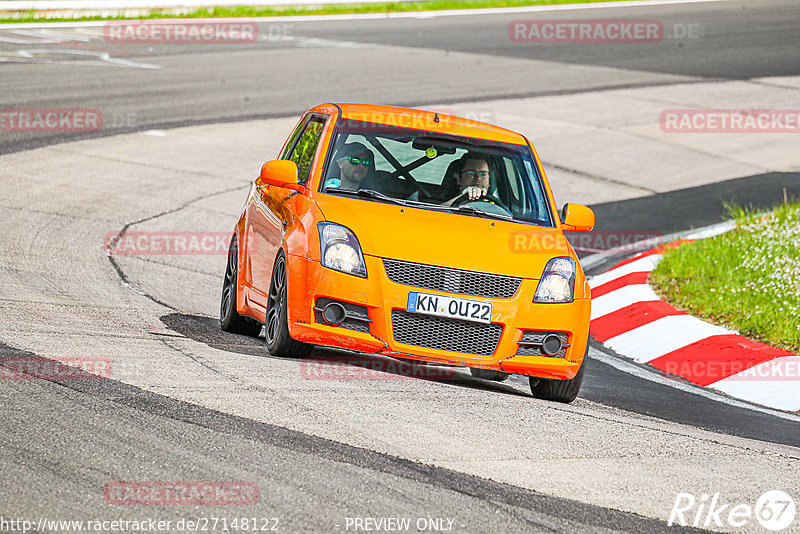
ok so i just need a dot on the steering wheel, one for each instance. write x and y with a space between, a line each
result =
488 198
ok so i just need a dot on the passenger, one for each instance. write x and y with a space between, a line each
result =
355 163
473 178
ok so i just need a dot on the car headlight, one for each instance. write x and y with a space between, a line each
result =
339 250
558 281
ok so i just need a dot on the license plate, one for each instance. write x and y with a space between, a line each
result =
452 307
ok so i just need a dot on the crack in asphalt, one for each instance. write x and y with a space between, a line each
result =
118 268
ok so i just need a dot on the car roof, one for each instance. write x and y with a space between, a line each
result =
426 120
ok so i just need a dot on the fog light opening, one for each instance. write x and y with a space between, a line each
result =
334 313
551 345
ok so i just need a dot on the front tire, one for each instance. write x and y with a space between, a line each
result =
279 342
559 390
229 319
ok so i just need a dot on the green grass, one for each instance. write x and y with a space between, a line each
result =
255 11
747 279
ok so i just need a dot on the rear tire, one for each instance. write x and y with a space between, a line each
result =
229 319
559 390
279 342
488 374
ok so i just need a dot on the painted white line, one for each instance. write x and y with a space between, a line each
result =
711 231
45 34
646 374
644 264
662 336
315 42
16 40
399 15
620 298
587 262
100 58
775 383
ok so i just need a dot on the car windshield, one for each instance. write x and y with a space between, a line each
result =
434 170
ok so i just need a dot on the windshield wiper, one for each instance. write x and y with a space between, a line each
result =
370 193
475 211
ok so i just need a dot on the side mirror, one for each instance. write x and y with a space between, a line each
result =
280 173
577 218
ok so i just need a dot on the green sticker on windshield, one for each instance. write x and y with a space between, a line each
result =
431 152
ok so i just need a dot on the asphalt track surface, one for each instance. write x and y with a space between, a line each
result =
59 439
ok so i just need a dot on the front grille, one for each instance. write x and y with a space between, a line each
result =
531 344
441 333
357 316
451 280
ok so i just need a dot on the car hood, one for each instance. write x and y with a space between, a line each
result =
446 239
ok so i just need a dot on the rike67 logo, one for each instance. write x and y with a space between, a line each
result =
774 510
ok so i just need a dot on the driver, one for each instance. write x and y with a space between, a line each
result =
355 162
473 178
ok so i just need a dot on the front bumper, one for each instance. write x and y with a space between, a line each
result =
309 281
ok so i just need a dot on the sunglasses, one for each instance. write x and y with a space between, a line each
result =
360 161
475 174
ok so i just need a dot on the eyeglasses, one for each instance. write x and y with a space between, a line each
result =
362 161
475 174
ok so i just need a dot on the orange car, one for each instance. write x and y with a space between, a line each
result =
416 235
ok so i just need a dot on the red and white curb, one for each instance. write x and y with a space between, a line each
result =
629 318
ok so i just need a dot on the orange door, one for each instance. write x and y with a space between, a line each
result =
265 228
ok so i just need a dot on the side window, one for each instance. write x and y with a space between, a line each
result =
306 147
287 150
